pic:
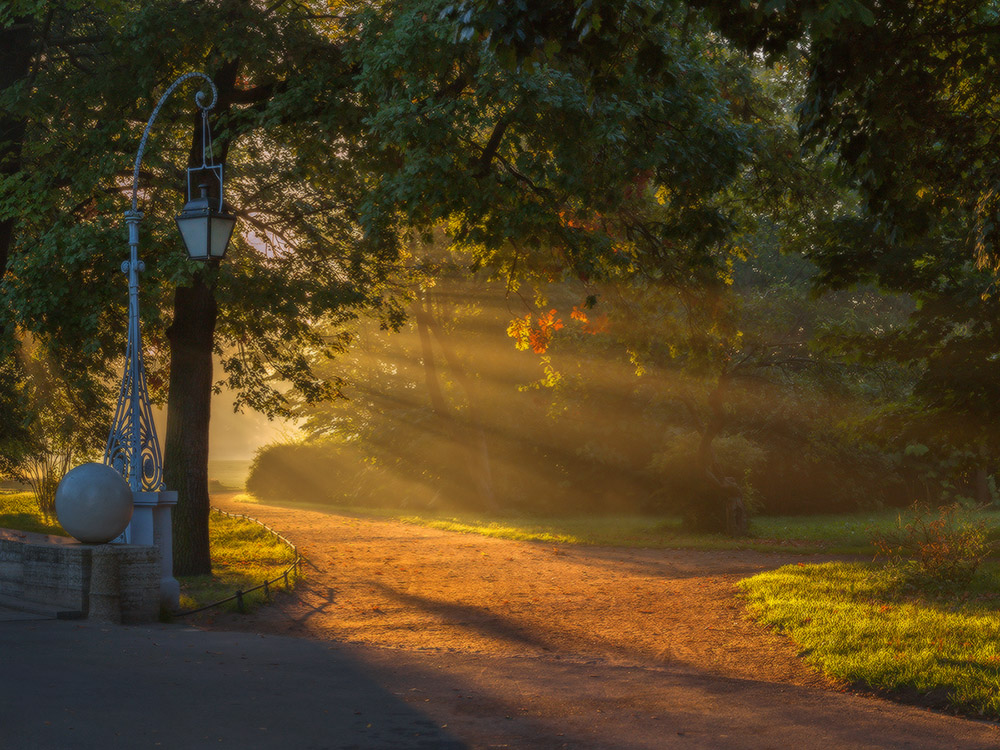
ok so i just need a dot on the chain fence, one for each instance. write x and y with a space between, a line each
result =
293 568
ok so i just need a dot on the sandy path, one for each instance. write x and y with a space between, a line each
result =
513 642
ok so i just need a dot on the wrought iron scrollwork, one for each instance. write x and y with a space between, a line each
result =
133 448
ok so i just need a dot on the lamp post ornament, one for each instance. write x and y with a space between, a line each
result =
132 448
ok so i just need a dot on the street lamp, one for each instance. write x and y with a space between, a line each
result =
204 223
133 449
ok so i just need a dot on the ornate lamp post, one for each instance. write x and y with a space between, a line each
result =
132 448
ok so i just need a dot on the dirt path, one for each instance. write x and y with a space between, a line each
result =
532 645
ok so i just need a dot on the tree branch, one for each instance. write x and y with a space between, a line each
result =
491 147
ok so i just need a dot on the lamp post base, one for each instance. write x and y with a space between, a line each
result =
152 525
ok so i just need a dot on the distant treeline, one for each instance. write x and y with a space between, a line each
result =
449 414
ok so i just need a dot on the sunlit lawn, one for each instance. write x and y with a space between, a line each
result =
861 624
853 531
18 510
832 534
243 554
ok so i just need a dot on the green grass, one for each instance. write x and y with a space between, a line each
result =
840 534
243 554
862 624
851 533
18 510
604 530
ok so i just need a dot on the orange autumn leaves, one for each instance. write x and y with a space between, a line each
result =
535 332
592 325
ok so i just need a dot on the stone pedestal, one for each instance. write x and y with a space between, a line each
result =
117 583
124 584
141 526
53 571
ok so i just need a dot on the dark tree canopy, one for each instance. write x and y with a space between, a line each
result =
594 139
638 143
539 128
905 96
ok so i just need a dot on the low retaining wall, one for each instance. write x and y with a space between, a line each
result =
109 582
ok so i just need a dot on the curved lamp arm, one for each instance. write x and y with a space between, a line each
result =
199 97
133 448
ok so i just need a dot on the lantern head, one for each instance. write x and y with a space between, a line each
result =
204 223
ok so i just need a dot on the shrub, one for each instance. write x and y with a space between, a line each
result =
298 471
944 549
44 471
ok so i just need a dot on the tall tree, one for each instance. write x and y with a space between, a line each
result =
37 40
588 139
304 257
905 95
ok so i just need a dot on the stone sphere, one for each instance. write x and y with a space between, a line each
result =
93 503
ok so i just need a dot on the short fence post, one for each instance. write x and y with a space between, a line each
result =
267 591
286 578
239 601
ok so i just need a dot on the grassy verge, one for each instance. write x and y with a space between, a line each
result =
18 510
803 534
862 624
604 530
244 555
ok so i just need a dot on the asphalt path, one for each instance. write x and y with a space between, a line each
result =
68 685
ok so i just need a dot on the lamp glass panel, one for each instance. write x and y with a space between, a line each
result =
222 230
194 230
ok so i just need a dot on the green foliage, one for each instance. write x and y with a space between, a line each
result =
852 622
315 472
15 437
621 143
577 428
63 427
675 463
607 151
799 402
302 254
903 94
945 551
547 154
44 472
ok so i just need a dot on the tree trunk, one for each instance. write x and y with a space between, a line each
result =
720 507
984 496
185 455
470 437
189 401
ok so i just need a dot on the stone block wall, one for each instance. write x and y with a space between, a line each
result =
54 575
113 583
